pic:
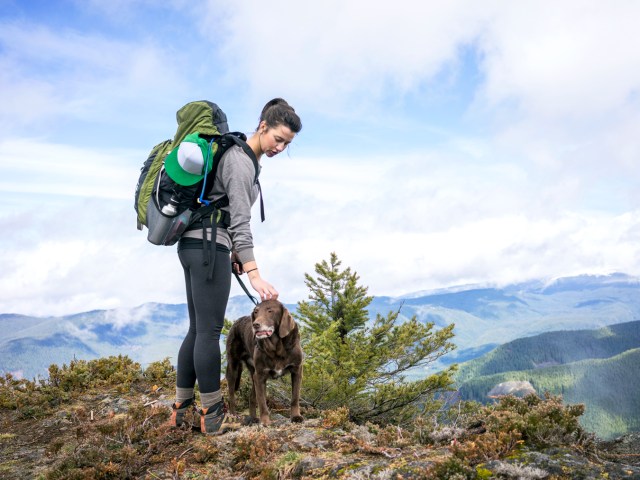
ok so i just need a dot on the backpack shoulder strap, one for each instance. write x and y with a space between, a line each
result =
239 139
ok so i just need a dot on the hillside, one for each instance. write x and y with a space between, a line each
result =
112 425
609 388
554 348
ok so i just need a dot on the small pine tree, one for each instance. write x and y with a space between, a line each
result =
336 299
360 364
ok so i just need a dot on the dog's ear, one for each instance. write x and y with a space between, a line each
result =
286 323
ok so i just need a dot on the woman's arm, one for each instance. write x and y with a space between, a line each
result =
237 175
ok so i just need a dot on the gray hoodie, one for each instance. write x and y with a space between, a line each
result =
235 178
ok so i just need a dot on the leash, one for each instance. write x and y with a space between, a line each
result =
253 299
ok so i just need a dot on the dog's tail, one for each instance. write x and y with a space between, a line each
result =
238 377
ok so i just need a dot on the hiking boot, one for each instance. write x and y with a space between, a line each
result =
178 411
215 420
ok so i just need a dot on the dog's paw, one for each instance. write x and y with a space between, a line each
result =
297 419
249 420
265 421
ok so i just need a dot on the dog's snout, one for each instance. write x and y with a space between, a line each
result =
260 321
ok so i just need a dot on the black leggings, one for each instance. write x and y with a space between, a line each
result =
199 355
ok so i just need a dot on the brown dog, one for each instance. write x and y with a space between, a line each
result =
268 343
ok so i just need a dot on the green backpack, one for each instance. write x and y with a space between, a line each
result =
166 208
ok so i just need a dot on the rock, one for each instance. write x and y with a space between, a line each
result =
512 387
558 461
361 432
306 464
307 440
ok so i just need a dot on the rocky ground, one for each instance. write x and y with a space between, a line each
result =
110 435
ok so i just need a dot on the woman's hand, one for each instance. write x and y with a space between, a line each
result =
236 264
265 290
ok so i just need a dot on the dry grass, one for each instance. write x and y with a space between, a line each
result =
113 426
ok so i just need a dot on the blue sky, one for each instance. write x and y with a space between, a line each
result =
443 143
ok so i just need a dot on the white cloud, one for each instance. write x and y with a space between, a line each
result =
556 92
425 220
340 54
572 59
51 74
543 182
35 167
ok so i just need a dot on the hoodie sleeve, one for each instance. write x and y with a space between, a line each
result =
237 175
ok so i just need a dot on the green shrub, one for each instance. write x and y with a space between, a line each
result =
540 422
161 373
35 398
120 372
363 365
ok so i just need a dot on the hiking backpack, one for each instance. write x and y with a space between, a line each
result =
166 208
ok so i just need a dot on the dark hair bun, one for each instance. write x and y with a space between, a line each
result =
279 112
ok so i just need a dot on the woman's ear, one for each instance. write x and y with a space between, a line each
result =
286 323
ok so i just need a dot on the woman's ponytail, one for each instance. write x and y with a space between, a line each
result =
279 112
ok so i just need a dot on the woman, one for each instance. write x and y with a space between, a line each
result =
199 356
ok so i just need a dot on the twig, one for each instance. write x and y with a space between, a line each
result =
391 455
114 439
145 421
187 450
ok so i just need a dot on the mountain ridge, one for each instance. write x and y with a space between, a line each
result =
484 318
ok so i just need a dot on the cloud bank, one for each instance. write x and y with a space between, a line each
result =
442 144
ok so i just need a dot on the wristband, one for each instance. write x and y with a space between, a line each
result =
252 270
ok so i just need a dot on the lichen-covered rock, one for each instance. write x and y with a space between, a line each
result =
517 388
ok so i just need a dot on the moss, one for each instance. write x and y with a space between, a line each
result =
288 458
483 473
8 467
348 468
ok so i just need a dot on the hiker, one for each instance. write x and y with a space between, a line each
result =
199 356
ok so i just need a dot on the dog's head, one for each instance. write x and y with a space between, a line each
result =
269 316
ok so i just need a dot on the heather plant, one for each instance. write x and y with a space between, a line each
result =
362 364
120 372
35 398
453 468
336 418
161 373
29 398
521 472
253 453
122 446
489 432
541 422
393 436
487 446
445 425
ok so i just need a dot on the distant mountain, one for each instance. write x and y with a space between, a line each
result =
147 333
598 368
484 318
554 348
